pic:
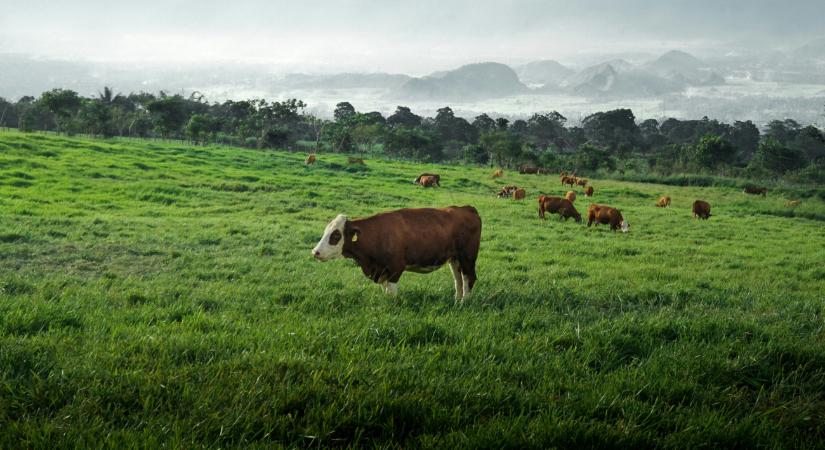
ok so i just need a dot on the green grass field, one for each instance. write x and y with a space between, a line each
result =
158 294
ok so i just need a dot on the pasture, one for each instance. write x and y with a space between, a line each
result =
161 294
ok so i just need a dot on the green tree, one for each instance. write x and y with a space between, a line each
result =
778 158
712 150
343 111
169 114
403 117
63 103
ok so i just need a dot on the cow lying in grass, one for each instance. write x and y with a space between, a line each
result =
418 240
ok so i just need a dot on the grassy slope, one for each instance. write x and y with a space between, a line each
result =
165 294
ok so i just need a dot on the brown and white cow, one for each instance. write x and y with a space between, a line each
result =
588 191
563 206
568 180
428 181
519 194
528 170
756 190
434 179
507 191
663 202
606 215
581 181
570 196
310 159
418 240
701 209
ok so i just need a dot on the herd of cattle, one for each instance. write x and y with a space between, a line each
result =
424 239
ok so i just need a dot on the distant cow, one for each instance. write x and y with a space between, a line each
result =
310 159
559 205
568 180
507 191
498 173
701 209
570 196
663 202
525 169
351 160
428 181
756 190
418 240
519 194
581 182
588 191
432 179
606 215
792 203
543 171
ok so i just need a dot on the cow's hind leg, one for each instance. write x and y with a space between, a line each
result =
457 278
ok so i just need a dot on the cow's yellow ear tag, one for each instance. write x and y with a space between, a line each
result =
354 238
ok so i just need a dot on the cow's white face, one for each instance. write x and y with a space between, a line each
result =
331 244
625 226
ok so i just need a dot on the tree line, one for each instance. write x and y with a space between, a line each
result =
610 141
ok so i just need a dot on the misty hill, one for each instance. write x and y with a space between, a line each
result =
814 50
342 81
467 83
543 72
680 66
606 80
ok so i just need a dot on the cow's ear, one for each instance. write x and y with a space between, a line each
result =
352 233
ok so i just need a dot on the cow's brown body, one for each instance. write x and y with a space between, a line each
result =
568 180
562 206
528 170
601 214
588 192
663 202
756 190
432 179
792 203
418 240
310 159
519 194
701 209
581 182
507 191
498 173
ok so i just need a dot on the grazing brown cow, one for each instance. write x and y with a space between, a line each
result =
581 182
588 192
701 209
608 216
570 196
663 202
428 181
433 179
525 169
519 194
351 160
568 180
507 191
418 240
756 190
792 203
498 173
559 205
310 159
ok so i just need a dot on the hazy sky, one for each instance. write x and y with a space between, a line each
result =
414 36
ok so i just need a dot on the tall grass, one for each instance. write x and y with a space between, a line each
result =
160 294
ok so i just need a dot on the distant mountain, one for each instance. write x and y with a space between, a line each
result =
605 80
543 72
814 50
342 81
467 83
680 66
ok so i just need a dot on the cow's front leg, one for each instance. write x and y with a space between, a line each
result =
392 289
459 283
